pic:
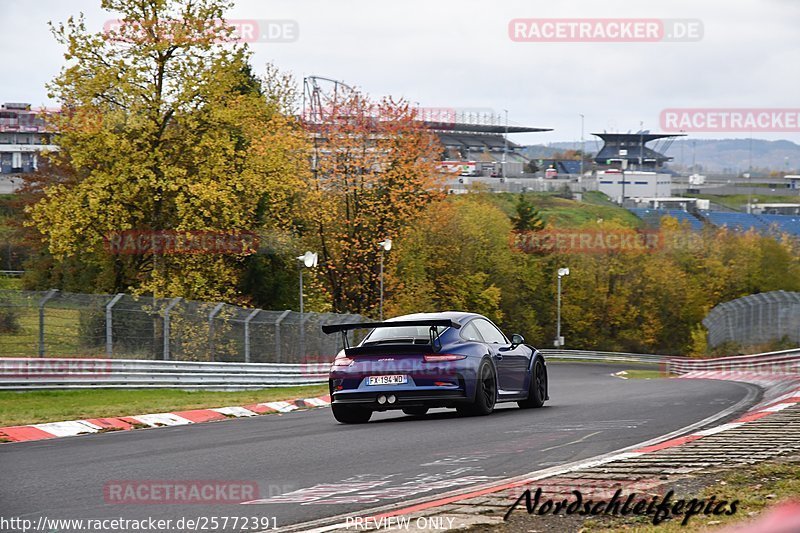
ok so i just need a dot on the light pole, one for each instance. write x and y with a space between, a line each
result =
583 147
641 144
749 176
559 339
385 245
505 147
307 260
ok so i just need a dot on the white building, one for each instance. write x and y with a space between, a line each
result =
23 135
619 184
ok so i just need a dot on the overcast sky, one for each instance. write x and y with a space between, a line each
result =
458 53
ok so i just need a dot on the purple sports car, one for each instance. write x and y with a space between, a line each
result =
416 362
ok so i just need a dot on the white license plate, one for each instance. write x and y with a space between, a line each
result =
387 380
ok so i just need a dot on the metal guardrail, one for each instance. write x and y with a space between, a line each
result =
772 363
52 373
591 355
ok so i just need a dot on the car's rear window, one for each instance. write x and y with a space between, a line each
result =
402 332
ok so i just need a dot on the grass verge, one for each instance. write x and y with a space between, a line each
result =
35 407
757 488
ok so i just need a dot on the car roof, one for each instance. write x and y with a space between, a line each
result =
459 317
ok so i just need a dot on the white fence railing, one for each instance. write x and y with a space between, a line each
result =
51 373
591 355
783 362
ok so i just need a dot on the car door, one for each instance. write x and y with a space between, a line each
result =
511 363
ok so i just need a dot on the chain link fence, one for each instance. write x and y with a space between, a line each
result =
61 324
755 319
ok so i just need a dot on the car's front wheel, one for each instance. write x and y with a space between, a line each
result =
485 393
537 389
350 414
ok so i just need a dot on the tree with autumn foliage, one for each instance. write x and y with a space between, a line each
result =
164 128
458 258
374 172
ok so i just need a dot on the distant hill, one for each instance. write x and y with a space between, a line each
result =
729 156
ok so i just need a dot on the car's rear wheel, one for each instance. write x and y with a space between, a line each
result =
485 393
415 411
537 389
350 414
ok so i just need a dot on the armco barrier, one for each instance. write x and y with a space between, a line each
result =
64 373
591 355
51 373
786 362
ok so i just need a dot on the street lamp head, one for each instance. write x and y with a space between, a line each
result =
309 259
386 244
563 272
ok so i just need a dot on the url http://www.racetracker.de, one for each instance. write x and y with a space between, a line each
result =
199 523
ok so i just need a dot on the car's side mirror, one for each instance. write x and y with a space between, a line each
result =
517 339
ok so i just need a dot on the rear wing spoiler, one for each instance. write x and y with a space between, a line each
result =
333 328
432 323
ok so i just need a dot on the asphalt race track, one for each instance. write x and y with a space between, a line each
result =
392 459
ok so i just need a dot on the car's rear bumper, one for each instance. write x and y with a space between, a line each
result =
403 398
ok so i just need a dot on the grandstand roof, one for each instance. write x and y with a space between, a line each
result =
635 145
480 128
645 137
466 140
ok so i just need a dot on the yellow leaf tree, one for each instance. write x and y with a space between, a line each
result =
164 128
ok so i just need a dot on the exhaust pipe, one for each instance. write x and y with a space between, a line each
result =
391 399
381 399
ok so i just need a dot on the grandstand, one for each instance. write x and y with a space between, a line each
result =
783 223
632 148
766 224
736 221
480 137
563 166
652 217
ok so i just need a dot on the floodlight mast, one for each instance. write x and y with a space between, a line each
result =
564 271
386 245
307 260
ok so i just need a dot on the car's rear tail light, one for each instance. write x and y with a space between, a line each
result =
439 357
343 361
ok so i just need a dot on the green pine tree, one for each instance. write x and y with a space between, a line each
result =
527 217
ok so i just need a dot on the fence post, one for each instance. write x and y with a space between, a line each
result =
42 302
278 335
247 320
214 312
109 329
172 304
303 318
